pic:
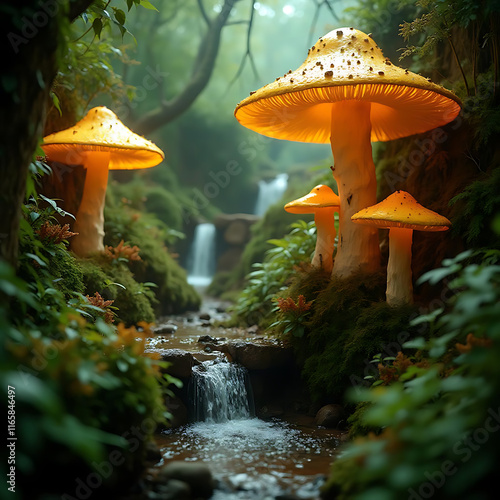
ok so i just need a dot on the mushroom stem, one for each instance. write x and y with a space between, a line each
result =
89 222
325 238
399 276
358 246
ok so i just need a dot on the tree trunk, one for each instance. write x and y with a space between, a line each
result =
30 37
28 69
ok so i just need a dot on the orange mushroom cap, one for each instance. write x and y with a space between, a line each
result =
321 196
101 130
347 64
400 209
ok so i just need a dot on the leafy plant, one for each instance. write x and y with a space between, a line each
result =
254 305
292 315
436 438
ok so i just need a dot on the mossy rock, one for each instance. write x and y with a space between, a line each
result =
116 282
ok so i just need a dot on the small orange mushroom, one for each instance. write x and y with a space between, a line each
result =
402 214
370 101
100 142
323 203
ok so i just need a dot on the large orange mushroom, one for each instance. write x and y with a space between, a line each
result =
347 93
402 214
100 142
323 203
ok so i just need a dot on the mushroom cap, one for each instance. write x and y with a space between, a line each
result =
101 130
320 196
400 209
346 64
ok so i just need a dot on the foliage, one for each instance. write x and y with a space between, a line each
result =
254 305
114 281
349 323
477 204
439 19
438 418
105 305
122 252
81 386
292 315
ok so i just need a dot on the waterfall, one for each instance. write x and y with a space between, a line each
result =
201 262
270 192
220 391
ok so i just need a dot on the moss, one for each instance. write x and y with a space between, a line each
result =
165 206
116 282
349 323
67 273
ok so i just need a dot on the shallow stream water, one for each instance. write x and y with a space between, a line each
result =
250 458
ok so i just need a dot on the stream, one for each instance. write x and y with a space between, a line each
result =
250 458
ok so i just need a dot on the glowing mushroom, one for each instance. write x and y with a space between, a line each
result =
402 214
347 93
99 142
323 203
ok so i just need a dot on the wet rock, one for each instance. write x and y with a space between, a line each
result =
221 309
329 415
181 362
270 411
153 453
196 475
178 410
173 489
253 329
165 329
260 356
206 323
204 316
207 339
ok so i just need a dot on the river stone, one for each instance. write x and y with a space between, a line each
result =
260 356
204 316
181 362
174 489
165 329
329 415
196 475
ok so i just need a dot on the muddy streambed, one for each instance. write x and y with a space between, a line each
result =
250 458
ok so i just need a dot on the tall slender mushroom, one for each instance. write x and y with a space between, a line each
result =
100 142
402 214
347 93
323 203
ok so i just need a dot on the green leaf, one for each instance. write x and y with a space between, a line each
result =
55 101
119 15
148 5
97 27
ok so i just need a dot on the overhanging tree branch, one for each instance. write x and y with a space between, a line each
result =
200 75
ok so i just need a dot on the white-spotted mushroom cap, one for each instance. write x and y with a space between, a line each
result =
346 64
101 130
320 196
400 209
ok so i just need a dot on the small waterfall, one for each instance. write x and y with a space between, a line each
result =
270 192
201 262
220 391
